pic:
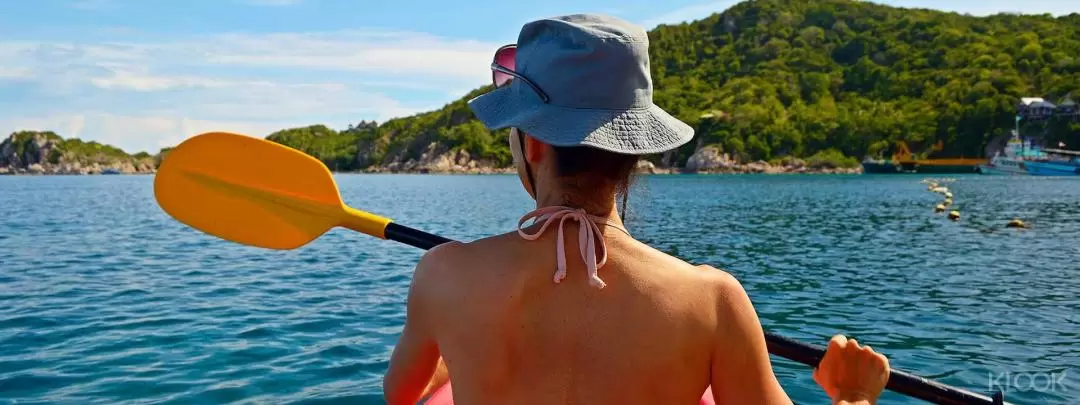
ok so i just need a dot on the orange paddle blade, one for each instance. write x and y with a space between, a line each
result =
255 192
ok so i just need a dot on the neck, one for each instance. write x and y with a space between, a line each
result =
599 204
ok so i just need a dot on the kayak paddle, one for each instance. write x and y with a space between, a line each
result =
260 193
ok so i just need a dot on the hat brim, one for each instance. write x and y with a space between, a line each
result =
638 131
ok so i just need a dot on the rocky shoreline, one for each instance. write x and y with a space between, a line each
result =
33 159
707 160
751 168
42 153
467 166
76 169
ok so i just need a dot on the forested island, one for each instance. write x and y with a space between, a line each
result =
770 86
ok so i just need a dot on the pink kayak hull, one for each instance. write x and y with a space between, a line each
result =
445 396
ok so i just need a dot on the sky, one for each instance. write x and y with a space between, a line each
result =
146 74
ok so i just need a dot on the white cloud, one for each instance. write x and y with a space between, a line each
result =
14 73
402 54
147 95
255 108
140 82
410 57
70 124
149 133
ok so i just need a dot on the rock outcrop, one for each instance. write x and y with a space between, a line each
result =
437 158
709 159
31 152
23 150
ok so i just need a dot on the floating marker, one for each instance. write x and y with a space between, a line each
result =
954 215
939 208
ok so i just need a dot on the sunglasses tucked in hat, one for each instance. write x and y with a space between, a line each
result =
582 80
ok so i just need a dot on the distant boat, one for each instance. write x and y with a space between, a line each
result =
1011 161
903 161
110 171
1058 162
1027 159
870 165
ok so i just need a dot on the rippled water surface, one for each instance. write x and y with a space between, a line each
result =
105 299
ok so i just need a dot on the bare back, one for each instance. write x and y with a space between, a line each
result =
509 335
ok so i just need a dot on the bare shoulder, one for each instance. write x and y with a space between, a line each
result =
719 278
442 268
436 259
729 288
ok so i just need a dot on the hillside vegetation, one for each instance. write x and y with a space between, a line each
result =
47 152
794 78
827 81
834 79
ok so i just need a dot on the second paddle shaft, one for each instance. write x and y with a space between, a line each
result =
899 381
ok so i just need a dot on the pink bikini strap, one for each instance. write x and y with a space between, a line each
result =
589 238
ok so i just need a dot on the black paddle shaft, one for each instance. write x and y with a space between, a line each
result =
899 381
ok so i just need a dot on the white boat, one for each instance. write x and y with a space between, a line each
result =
1011 160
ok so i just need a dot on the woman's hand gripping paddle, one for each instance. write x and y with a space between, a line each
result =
261 193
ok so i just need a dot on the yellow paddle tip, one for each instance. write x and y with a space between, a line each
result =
253 191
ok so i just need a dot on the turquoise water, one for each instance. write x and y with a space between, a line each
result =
105 299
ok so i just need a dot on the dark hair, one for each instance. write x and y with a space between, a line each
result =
588 170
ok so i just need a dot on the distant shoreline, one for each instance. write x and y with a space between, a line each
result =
707 161
467 173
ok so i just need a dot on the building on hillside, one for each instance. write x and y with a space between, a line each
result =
1035 108
1068 108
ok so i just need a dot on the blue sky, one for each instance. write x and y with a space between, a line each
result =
144 74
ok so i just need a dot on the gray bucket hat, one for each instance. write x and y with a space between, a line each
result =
594 71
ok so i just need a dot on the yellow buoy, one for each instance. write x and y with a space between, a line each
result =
948 202
939 208
948 194
954 215
1016 223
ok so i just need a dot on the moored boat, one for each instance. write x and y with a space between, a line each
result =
1028 159
903 161
1000 165
1053 169
1058 162
1013 159
878 166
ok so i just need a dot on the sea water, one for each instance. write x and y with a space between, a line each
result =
104 299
